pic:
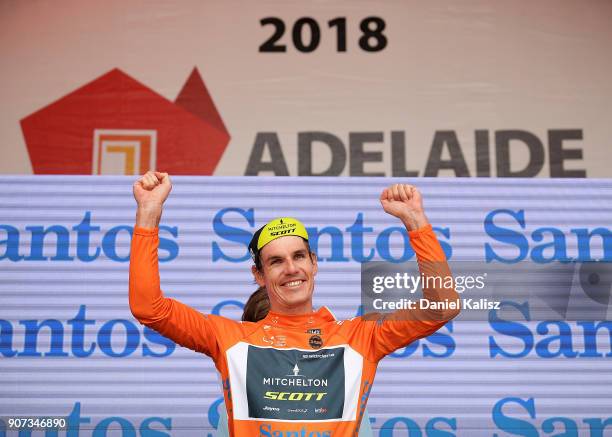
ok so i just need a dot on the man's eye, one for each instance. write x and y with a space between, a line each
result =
300 256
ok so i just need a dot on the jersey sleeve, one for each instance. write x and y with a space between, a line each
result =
171 318
402 327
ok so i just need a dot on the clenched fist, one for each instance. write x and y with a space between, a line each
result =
404 202
152 189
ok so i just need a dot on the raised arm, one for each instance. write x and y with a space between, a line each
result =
404 326
175 320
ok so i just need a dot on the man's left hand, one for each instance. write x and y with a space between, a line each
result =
404 202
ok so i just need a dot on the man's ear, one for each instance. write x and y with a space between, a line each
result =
258 276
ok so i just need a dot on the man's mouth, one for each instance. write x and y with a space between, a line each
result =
293 284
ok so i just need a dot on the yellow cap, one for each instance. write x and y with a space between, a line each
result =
279 227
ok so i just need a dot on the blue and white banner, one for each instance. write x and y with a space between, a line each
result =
70 347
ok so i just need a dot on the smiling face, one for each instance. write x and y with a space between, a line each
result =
287 271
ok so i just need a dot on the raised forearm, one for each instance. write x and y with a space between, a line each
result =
146 299
148 216
433 267
414 220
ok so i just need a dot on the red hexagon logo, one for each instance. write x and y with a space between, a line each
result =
116 125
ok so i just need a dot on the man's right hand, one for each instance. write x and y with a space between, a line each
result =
152 189
150 192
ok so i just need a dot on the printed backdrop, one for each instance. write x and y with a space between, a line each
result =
354 88
69 345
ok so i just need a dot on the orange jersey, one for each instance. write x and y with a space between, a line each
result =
306 375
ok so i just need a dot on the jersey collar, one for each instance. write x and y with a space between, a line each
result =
322 315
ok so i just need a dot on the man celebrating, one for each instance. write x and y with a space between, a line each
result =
297 372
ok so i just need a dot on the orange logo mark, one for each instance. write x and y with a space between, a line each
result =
123 151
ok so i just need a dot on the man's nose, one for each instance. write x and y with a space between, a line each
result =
292 267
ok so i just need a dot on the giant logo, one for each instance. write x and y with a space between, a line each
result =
116 125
